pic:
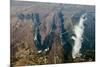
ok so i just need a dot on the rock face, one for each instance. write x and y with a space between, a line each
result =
53 27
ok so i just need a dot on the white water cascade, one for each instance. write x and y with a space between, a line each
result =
78 38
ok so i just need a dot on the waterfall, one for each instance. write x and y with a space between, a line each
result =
78 38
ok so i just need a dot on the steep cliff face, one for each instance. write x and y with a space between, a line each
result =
53 28
23 47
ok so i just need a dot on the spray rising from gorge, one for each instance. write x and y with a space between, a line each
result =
78 38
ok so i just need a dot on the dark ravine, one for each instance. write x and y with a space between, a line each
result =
44 36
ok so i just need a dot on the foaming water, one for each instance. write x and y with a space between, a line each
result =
78 38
